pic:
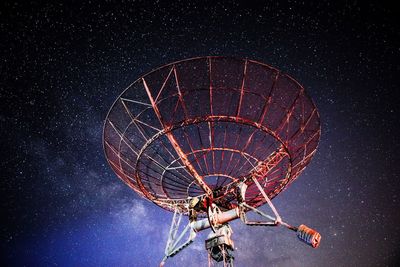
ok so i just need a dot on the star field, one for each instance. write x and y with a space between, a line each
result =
63 65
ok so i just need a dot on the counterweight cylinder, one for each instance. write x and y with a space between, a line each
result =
308 236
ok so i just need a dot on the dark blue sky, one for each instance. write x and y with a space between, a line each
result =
63 65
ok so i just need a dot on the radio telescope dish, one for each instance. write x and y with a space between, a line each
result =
217 131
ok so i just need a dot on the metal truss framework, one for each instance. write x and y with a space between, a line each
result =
200 126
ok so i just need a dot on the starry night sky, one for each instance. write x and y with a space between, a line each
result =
63 65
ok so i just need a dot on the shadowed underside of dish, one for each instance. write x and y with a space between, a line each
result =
203 125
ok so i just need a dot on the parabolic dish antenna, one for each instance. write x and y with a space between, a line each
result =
213 138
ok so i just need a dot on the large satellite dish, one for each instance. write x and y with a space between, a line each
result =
213 138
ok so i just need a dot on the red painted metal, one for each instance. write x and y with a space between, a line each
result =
200 126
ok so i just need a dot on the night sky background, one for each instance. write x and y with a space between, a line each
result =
63 65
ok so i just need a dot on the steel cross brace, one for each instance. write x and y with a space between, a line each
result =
172 248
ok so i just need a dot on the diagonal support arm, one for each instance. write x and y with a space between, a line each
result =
277 216
244 207
176 146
